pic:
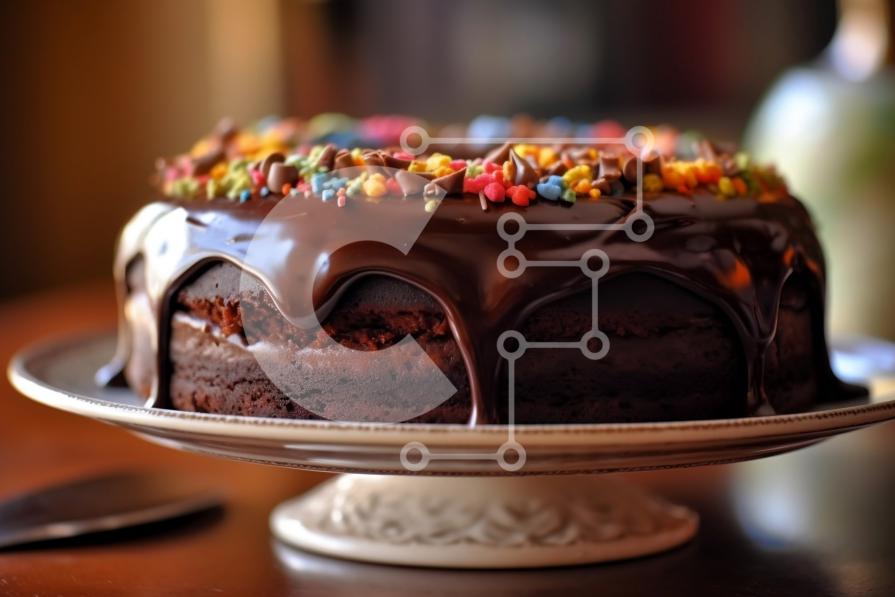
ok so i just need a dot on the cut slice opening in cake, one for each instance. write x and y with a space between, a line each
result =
215 363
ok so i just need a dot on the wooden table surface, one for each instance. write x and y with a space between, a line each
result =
813 523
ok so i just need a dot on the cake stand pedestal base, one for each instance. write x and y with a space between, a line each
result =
481 522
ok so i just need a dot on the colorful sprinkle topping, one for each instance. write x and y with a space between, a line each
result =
287 158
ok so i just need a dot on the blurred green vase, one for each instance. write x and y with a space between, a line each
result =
830 128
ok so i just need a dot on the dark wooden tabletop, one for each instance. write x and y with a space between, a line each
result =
813 523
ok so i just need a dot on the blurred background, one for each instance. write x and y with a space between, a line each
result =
94 91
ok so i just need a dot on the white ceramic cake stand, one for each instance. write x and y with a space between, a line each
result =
460 508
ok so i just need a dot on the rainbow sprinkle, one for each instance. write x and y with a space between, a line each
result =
271 160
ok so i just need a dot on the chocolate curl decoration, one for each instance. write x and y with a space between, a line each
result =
393 162
581 155
604 186
523 173
557 169
327 158
281 174
374 162
343 159
719 154
609 167
266 163
449 184
532 161
499 155
373 158
652 164
412 183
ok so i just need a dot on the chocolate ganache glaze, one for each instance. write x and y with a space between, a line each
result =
735 254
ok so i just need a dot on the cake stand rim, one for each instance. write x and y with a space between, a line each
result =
22 377
780 433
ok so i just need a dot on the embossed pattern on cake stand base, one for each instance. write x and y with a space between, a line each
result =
484 522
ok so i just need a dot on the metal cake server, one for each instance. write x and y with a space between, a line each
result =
100 503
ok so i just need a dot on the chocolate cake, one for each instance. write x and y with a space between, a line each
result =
582 281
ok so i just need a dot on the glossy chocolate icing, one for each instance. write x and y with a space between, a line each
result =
737 254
